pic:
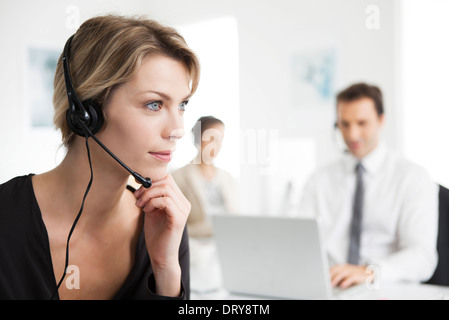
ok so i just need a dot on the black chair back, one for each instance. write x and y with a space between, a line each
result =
441 274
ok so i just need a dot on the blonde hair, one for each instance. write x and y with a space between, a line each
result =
106 51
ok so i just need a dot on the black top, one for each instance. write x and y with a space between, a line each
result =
26 270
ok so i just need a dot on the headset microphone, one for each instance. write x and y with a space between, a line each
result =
338 141
146 182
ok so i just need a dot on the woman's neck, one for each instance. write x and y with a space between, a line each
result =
68 183
207 170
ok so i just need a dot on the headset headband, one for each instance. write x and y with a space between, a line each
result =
71 93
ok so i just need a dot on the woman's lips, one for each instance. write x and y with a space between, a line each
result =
162 155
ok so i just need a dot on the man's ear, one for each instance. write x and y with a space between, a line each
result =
382 119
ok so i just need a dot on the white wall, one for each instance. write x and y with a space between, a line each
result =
270 32
425 68
213 40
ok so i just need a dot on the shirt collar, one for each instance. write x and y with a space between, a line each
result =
371 162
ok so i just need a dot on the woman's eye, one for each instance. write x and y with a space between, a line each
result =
182 106
154 106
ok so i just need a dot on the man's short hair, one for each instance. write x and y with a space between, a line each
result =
363 90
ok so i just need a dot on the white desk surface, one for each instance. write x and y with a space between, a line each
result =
398 291
206 283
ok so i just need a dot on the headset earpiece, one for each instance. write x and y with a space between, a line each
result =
87 112
90 114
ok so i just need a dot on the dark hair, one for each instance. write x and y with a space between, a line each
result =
201 125
363 90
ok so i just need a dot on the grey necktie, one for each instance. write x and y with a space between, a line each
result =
356 223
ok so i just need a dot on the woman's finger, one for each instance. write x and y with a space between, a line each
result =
166 188
169 207
160 204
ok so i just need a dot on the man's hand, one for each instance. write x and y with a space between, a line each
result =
347 275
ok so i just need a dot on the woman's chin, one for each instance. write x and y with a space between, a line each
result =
157 175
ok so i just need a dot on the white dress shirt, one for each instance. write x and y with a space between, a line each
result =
400 214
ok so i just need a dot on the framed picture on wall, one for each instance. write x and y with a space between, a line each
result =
40 72
312 77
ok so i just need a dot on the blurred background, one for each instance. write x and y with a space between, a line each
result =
270 71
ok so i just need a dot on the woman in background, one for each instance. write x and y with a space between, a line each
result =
210 190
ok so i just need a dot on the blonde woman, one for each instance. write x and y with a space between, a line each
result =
127 244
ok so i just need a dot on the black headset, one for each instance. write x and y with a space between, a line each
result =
87 112
86 117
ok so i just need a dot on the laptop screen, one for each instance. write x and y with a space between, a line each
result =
272 256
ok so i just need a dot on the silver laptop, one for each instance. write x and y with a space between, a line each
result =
273 257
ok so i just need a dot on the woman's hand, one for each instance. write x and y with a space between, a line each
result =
166 210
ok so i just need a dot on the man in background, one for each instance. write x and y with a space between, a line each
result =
379 212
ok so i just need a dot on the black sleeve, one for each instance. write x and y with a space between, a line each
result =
184 262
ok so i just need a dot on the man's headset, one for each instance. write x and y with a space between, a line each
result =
86 117
338 140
